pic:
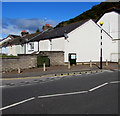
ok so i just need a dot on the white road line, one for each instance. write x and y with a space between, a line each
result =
55 95
2 86
115 82
63 94
15 104
98 87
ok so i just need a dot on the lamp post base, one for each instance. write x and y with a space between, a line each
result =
100 62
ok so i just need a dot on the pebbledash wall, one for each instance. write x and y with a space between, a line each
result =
25 61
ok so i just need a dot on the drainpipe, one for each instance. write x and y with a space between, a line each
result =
24 48
38 46
50 45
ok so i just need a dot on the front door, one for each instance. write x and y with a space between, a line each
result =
72 58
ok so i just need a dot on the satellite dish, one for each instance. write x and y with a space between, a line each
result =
65 35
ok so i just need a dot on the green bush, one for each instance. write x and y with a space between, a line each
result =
7 56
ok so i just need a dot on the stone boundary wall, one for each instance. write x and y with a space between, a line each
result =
56 57
25 61
22 62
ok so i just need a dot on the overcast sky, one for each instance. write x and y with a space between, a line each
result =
18 16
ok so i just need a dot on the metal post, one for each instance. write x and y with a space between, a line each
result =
101 51
106 63
90 63
101 23
43 66
69 65
118 61
19 71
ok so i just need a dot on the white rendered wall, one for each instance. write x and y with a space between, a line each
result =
111 23
115 54
85 42
15 50
5 40
12 50
57 44
35 46
4 50
44 45
111 26
110 51
20 49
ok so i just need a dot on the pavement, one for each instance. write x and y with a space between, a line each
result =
56 70
36 75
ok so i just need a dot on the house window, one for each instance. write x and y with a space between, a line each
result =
31 46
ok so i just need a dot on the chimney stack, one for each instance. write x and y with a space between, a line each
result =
47 26
24 32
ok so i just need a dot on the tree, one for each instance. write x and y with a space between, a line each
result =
93 13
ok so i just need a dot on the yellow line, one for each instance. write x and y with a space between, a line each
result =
70 74
20 78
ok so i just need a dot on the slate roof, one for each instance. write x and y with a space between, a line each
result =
24 39
9 42
1 40
57 32
18 40
14 36
117 10
4 44
109 10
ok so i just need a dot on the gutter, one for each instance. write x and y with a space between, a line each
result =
105 32
36 36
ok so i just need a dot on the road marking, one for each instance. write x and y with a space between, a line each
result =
15 104
19 78
98 87
2 86
115 82
55 95
63 94
49 75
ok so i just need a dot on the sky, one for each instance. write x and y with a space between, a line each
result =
18 16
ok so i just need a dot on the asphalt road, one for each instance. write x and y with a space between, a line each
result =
82 94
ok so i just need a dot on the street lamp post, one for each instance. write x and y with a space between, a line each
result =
101 23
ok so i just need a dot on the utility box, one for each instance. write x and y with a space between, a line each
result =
43 59
72 58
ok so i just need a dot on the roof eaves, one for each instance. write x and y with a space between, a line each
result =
107 11
105 32
54 37
57 32
32 39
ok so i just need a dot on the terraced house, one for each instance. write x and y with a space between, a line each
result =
80 41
